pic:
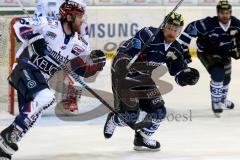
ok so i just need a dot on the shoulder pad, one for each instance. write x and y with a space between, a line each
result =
144 34
205 25
148 31
235 21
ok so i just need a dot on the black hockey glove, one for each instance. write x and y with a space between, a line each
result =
235 52
99 58
186 54
188 76
119 65
38 43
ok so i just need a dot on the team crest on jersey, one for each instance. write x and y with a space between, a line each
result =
233 32
77 50
171 55
52 21
51 35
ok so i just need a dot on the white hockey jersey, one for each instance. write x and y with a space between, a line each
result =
58 46
50 8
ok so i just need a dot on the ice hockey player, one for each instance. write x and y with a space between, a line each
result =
163 49
218 39
51 43
50 8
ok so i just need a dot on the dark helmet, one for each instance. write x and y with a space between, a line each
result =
71 7
175 19
224 5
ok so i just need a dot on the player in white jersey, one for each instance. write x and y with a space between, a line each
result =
50 8
50 43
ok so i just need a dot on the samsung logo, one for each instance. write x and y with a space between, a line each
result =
112 30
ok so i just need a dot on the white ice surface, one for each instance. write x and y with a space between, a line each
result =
201 138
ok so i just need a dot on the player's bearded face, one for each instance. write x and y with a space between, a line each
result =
171 32
78 22
224 16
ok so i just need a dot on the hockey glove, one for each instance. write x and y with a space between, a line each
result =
38 43
99 58
188 76
235 52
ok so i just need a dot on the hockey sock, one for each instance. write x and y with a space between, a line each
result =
216 89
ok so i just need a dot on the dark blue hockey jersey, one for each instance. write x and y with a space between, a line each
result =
212 36
157 52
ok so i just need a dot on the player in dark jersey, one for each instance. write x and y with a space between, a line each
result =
218 39
135 91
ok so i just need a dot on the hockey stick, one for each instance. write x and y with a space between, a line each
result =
136 126
153 36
